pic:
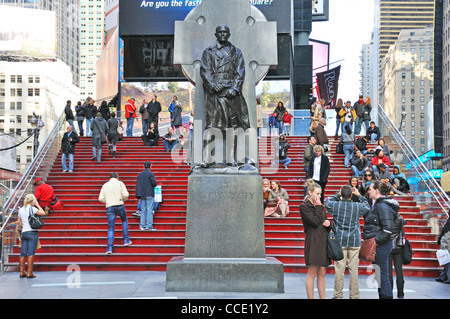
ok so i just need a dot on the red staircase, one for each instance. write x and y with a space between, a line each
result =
78 235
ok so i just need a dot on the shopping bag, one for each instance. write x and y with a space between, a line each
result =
158 194
443 256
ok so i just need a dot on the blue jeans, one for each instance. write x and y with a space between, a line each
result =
168 146
88 126
348 151
374 137
130 123
358 123
80 127
64 161
356 172
279 125
145 126
382 261
344 125
338 124
286 129
111 213
285 161
146 212
29 241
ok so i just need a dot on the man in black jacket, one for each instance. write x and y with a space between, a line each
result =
153 108
358 107
69 115
359 163
145 185
69 140
91 111
374 132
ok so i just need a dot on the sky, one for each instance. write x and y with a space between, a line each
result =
350 26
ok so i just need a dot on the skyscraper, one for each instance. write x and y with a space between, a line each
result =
92 39
393 16
407 86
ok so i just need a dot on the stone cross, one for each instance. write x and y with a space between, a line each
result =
250 32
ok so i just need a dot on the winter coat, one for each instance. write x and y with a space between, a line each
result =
68 147
379 222
177 118
315 234
321 135
324 168
343 112
279 112
282 149
99 126
398 234
367 108
104 110
69 113
145 184
91 111
358 107
375 130
130 109
80 110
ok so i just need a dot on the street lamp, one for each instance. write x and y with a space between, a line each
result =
37 123
402 120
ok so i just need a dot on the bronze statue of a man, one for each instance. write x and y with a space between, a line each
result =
223 72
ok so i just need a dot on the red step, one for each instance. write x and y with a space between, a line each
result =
78 235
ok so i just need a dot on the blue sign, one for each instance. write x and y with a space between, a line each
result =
423 158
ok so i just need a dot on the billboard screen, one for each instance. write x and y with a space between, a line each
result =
143 18
27 31
150 58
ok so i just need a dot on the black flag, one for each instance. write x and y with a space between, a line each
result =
328 82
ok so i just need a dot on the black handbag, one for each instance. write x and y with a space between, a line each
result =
340 148
407 253
35 221
334 248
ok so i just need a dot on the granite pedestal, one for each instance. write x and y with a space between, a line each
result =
225 241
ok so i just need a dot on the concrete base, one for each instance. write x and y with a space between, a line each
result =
225 241
225 275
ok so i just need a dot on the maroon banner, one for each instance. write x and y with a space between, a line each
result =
328 83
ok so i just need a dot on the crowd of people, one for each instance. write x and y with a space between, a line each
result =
366 195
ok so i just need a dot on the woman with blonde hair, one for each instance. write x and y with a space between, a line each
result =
29 236
317 226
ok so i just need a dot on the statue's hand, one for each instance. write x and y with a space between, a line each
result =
218 88
231 93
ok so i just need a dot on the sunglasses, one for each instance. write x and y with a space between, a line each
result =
367 175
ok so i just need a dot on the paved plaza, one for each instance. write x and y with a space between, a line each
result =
151 285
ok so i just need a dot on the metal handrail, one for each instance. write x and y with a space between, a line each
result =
433 186
41 165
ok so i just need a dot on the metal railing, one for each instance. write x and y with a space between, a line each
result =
426 191
39 167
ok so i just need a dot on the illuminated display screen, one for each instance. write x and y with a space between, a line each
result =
143 18
150 58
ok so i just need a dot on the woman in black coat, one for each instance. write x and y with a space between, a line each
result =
379 223
104 109
113 134
317 226
319 173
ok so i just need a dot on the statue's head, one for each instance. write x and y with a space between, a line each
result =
222 33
